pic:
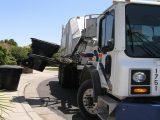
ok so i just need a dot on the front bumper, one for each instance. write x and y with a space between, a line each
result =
137 111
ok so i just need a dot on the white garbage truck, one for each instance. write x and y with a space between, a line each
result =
115 59
120 79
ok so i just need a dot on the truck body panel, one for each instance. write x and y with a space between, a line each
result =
71 35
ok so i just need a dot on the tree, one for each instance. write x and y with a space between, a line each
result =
3 55
56 56
10 41
11 53
10 60
20 53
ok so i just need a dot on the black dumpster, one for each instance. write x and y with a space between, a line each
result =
41 51
10 76
43 48
38 62
35 63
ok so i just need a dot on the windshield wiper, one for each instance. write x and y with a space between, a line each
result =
129 32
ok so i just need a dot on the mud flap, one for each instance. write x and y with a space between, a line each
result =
40 55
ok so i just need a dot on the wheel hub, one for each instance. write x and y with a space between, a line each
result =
88 103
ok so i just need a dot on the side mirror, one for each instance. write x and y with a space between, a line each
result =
109 43
108 47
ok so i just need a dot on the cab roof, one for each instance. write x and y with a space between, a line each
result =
152 2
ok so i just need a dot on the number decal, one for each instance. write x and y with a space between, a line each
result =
156 80
156 88
156 75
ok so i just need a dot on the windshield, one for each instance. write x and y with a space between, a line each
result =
143 31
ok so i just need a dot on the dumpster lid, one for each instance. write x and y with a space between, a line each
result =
11 66
45 42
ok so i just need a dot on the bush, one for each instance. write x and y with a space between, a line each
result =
3 55
10 60
20 53
10 41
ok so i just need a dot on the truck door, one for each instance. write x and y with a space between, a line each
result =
106 42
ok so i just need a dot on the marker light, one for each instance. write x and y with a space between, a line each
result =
140 90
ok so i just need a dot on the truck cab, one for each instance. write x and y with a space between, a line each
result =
129 35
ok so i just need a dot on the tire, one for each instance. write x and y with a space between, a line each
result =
84 98
67 76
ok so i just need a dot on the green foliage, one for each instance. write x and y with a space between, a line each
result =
56 56
5 105
10 41
10 60
6 57
12 54
27 48
52 68
3 55
20 53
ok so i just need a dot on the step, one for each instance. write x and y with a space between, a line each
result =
106 105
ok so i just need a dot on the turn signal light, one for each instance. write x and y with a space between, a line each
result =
140 90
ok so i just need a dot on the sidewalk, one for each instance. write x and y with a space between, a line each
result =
31 94
21 110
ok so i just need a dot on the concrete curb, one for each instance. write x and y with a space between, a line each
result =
25 105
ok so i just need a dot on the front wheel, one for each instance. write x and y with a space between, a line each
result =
85 100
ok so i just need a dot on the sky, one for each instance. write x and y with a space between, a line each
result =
43 19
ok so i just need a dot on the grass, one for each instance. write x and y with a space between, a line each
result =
52 68
4 104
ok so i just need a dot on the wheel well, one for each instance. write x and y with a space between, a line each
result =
91 73
85 74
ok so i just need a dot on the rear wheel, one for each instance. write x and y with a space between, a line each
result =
85 100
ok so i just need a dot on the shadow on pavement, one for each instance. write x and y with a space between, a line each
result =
66 97
18 99
33 101
62 101
37 101
67 100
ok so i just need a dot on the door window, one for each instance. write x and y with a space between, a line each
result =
107 32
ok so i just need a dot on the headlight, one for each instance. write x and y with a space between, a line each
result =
139 77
